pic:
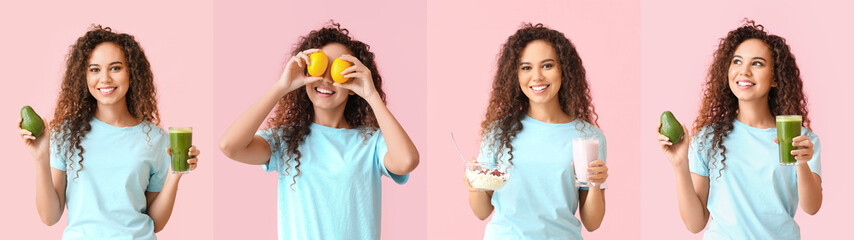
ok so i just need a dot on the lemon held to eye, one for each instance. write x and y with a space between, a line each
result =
317 64
337 66
32 122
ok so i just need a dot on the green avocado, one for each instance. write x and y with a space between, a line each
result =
32 122
670 127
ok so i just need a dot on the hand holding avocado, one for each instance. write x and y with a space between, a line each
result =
671 134
31 128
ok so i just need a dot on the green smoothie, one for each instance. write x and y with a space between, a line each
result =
788 127
180 140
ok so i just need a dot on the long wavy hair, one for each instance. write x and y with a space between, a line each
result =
76 106
294 112
508 104
720 105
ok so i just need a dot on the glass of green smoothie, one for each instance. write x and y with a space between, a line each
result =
180 140
788 127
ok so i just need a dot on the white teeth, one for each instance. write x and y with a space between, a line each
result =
106 90
324 91
745 84
539 88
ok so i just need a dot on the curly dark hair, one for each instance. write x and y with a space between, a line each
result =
76 106
294 112
508 105
720 105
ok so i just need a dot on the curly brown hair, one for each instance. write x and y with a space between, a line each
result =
720 105
294 112
508 105
76 106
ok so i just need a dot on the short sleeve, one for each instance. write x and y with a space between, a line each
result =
697 160
380 150
56 161
275 156
160 167
815 162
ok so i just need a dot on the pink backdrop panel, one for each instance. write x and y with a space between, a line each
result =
678 39
252 41
176 37
464 38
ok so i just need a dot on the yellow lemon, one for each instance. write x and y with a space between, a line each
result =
317 64
337 66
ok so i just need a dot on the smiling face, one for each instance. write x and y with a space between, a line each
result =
539 72
751 71
321 93
107 74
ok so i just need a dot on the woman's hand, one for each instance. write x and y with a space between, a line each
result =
676 154
293 77
468 184
39 147
597 172
805 148
361 81
193 157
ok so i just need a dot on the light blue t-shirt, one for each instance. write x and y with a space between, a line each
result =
540 198
338 191
754 197
107 199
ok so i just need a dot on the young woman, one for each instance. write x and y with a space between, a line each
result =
105 156
329 142
729 170
540 101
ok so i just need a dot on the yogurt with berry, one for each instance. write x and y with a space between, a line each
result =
486 179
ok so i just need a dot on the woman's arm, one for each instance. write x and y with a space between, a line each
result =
692 190
591 203
160 204
50 193
239 141
402 156
50 182
809 183
480 201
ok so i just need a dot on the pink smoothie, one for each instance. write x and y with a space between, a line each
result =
584 151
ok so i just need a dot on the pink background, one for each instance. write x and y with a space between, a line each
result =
678 39
671 41
464 39
252 41
177 41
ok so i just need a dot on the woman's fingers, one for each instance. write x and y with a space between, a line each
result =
193 163
598 178
802 152
468 185
661 137
596 163
350 58
194 152
802 141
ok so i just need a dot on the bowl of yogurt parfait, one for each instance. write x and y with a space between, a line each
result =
487 176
